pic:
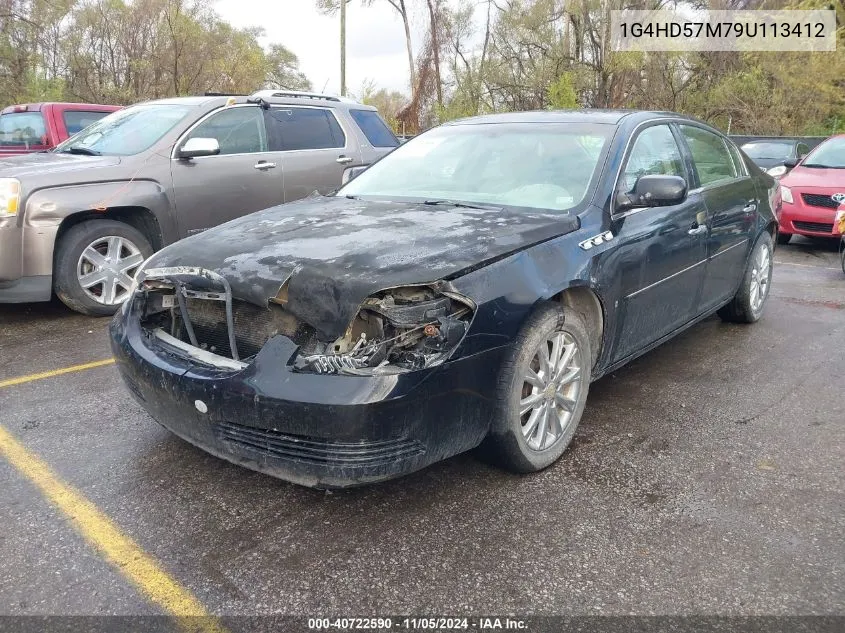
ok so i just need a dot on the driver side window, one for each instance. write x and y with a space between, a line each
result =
238 130
655 152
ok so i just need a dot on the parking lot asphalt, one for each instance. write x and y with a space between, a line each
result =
706 478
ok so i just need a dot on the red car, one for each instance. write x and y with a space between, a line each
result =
812 191
35 127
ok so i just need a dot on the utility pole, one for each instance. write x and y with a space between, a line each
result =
343 47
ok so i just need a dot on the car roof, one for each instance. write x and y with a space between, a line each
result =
610 117
273 97
37 106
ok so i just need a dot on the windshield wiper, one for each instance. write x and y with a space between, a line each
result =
84 151
460 205
820 166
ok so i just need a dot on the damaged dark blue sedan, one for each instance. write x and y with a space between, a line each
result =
464 290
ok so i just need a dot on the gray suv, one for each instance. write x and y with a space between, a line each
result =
81 219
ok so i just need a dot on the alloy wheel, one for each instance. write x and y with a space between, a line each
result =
760 279
550 389
106 269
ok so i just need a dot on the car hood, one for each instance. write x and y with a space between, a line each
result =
41 164
831 179
335 252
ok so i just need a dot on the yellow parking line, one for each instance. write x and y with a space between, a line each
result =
55 372
116 547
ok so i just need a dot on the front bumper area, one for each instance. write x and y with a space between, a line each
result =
22 279
804 219
323 431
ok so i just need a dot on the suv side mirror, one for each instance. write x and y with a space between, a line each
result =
789 163
653 191
196 147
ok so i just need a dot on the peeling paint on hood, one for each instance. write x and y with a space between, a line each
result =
338 251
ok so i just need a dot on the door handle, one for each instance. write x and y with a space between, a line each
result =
698 229
263 164
344 160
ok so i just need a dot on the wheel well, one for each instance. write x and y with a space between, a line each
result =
772 228
587 304
137 217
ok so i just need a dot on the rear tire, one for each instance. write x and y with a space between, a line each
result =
95 263
783 238
541 403
749 301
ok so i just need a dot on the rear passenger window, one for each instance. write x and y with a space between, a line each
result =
376 131
304 128
710 154
655 152
77 120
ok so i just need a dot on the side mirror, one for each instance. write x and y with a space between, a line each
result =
352 172
196 147
789 163
653 191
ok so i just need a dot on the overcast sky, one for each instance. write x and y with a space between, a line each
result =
375 40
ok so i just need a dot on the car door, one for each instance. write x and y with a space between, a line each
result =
732 199
244 177
661 251
315 149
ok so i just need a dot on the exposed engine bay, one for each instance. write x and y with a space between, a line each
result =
395 330
398 329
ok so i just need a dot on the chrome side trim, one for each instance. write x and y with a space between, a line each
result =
657 283
725 250
201 355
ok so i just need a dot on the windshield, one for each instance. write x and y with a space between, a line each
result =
830 154
538 165
768 149
127 131
24 129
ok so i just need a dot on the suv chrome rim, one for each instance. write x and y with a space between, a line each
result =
106 269
760 279
550 388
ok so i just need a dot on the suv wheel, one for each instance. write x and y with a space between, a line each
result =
543 388
95 265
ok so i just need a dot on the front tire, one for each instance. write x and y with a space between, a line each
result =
749 301
95 264
543 385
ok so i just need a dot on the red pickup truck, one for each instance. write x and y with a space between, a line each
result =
35 127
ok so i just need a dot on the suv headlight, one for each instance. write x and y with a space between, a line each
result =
786 194
395 331
778 171
10 197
